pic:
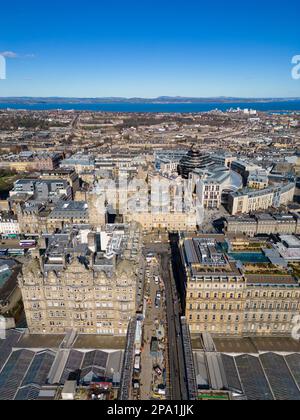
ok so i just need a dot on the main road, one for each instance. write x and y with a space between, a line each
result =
177 371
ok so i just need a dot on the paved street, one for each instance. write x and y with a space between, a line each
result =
155 319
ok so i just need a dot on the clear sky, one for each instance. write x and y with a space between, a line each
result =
150 48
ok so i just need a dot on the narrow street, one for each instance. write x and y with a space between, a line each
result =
154 353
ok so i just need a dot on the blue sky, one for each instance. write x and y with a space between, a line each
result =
150 48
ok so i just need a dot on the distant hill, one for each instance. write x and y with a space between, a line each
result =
159 100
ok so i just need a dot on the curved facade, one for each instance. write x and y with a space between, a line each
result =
232 183
247 201
215 184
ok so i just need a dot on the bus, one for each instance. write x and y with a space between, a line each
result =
28 243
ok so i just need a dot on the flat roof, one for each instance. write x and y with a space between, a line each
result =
264 216
271 279
256 345
235 345
196 342
291 240
38 341
284 217
277 344
100 342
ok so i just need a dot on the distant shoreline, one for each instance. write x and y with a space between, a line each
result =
156 101
152 107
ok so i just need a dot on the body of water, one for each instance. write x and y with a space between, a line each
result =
276 107
250 257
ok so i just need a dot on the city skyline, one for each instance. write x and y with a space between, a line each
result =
138 51
150 203
143 253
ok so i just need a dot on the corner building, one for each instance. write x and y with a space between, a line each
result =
222 300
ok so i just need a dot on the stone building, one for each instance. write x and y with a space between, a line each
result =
214 290
248 201
68 213
271 303
263 224
32 218
220 298
30 161
66 174
72 287
215 185
171 221
258 180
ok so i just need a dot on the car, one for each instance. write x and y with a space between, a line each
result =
158 370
